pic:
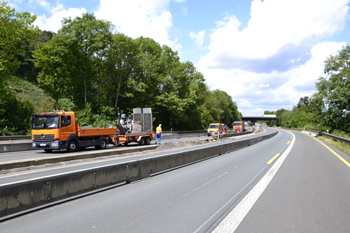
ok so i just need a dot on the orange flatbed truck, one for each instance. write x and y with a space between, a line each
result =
58 130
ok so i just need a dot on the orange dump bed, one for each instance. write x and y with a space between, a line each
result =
96 132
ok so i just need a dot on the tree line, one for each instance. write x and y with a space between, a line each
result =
87 68
329 107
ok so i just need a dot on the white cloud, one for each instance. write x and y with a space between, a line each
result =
14 3
43 3
275 27
147 18
198 38
274 90
57 13
264 85
278 57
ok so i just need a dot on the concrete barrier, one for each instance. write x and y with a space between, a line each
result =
9 138
35 192
177 136
315 134
64 157
11 147
23 195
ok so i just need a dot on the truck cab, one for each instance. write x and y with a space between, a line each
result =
238 126
215 127
51 130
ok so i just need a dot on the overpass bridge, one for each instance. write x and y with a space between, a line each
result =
259 118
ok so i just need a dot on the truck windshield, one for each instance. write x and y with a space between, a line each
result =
238 124
45 122
213 126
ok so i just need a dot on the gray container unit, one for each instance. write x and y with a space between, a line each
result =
144 116
137 114
147 120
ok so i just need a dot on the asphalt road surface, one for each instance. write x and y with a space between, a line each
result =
304 188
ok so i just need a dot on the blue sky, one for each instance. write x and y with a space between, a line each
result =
265 54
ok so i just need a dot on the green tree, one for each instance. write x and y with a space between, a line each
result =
269 113
303 101
53 59
27 70
87 38
14 28
229 108
334 88
123 57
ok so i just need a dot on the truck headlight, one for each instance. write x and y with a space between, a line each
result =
54 144
33 144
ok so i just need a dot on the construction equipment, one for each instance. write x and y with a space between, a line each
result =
139 130
58 130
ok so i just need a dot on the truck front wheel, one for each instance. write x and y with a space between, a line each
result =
72 146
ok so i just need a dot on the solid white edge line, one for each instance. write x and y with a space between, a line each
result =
235 217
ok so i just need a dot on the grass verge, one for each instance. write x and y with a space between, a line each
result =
340 145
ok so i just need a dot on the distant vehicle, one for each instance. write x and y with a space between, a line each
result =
240 125
215 127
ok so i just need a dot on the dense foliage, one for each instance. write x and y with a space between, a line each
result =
14 29
94 72
329 107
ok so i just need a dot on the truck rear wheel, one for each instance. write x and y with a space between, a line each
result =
142 141
103 144
148 141
72 146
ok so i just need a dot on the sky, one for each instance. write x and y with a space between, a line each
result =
266 54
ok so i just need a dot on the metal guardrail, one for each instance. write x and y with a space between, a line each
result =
8 138
345 140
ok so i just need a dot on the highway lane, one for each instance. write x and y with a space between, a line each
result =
194 198
309 194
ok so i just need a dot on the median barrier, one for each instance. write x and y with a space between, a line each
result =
24 195
177 136
65 157
35 192
9 138
11 147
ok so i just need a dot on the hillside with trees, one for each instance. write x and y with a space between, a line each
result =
87 68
